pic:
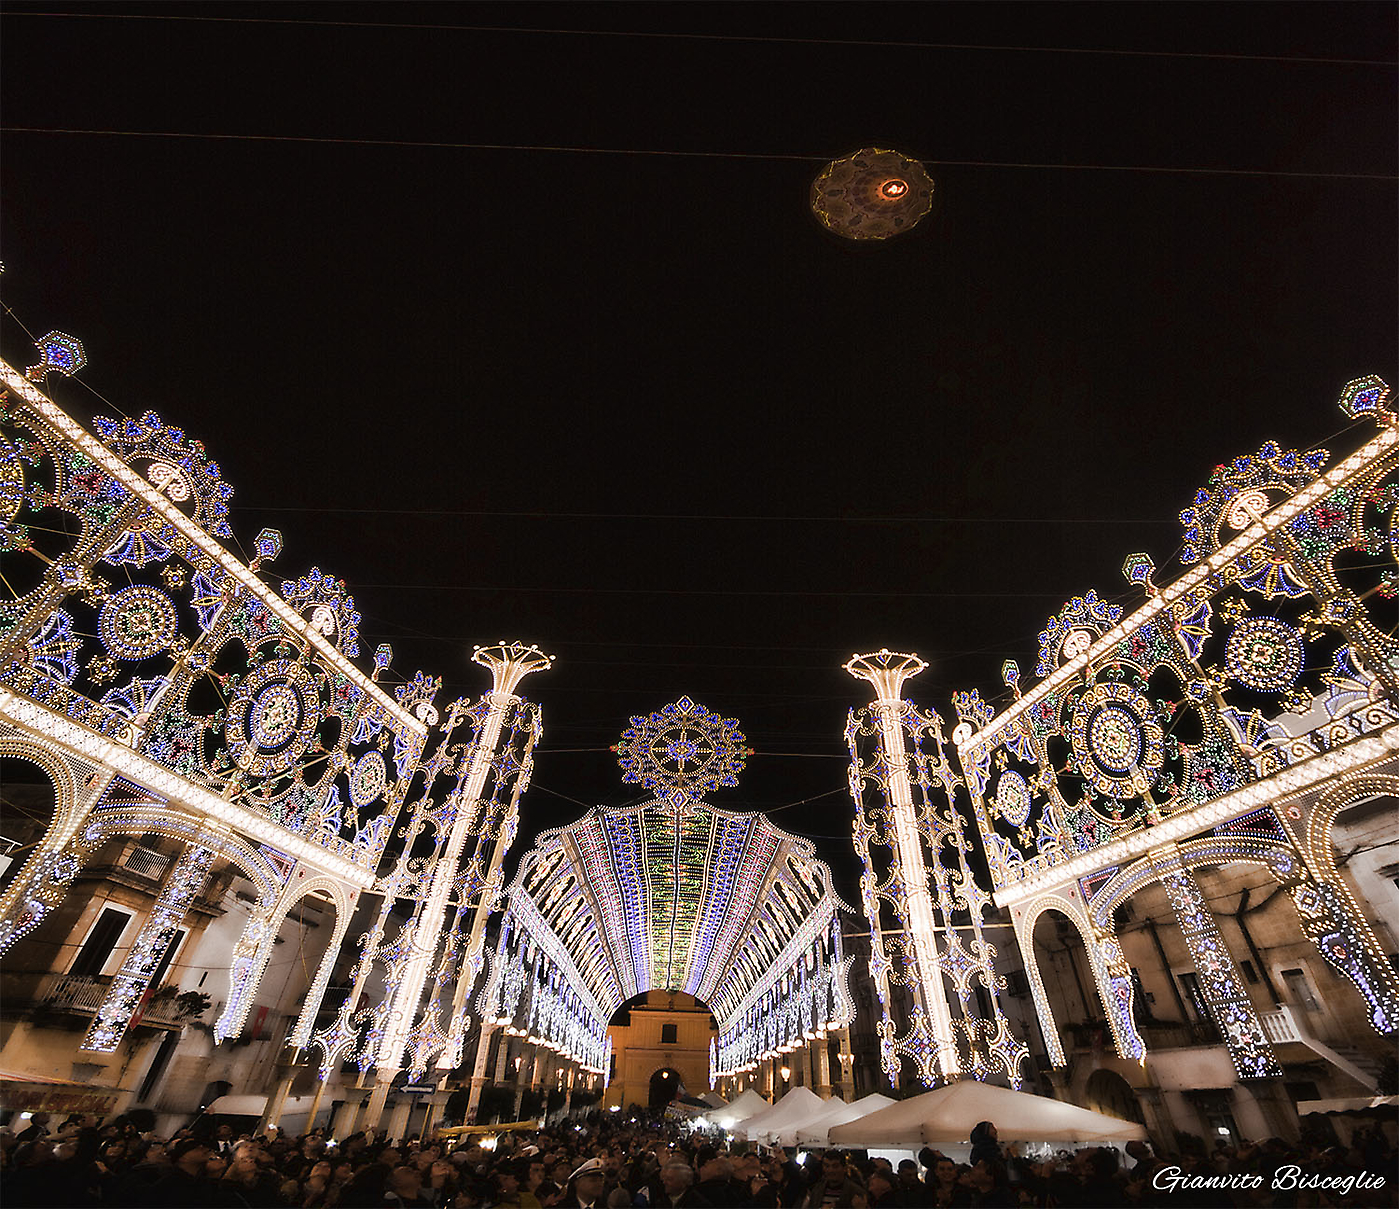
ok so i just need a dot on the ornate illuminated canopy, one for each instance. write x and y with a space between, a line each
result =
674 894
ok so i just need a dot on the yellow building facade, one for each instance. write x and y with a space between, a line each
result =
662 1035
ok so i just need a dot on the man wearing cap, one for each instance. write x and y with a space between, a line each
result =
188 1183
585 1186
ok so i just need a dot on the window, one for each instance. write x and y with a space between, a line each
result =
1300 990
1190 983
100 942
668 1034
1141 1000
164 963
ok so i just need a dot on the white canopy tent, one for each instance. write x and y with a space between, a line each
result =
948 1115
795 1108
837 1112
747 1104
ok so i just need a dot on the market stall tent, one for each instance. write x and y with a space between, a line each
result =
746 1105
947 1115
797 1107
838 1112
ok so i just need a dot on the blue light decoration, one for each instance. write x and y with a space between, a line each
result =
59 353
1363 396
1275 654
328 606
267 545
682 747
177 466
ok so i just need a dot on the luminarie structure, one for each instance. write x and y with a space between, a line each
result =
1228 719
672 894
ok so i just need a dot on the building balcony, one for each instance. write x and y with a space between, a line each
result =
80 995
1157 1034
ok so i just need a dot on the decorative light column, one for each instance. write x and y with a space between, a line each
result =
129 988
1344 938
1223 989
887 671
478 1069
509 664
847 1067
917 877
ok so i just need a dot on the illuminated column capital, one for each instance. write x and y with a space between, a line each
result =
511 662
886 671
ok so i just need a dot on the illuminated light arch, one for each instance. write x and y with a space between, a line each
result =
1276 855
62 778
107 822
42 881
1331 917
672 894
1114 987
1318 848
254 949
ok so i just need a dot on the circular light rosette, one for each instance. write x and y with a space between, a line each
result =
274 714
136 623
1264 654
682 747
368 778
1013 799
1118 745
872 195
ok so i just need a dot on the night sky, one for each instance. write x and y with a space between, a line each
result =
536 336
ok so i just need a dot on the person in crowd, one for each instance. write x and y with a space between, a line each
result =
985 1144
942 1184
440 1180
510 1189
677 1184
835 1189
716 1181
884 1190
585 1186
188 1181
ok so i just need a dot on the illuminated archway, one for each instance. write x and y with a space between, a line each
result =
672 895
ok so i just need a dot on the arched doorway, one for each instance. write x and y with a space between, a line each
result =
1109 1093
28 804
665 1086
1067 977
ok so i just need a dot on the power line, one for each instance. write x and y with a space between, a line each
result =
727 591
444 145
872 43
545 515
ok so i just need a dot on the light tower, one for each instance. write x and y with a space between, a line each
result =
509 663
923 904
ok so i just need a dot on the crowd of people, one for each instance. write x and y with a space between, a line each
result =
607 1163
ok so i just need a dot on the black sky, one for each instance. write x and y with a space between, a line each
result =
640 408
